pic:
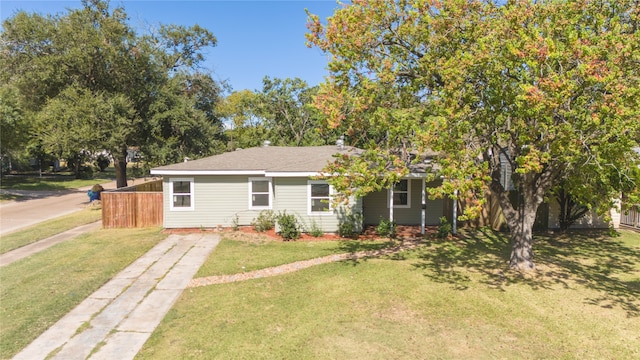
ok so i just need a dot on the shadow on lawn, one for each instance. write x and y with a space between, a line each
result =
356 246
592 259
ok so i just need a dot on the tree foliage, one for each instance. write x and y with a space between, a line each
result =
285 105
14 128
282 112
90 83
551 87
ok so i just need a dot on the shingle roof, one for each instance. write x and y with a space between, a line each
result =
270 158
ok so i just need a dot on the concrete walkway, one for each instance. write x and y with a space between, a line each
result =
28 250
116 320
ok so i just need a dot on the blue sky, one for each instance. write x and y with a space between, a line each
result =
255 38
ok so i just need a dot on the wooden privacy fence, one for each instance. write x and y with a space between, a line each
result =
131 207
631 217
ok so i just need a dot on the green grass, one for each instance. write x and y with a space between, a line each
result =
11 197
37 291
448 299
237 255
56 182
48 228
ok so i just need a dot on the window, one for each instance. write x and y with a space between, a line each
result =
401 194
319 197
259 193
181 194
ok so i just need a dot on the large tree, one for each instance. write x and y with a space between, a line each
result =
549 89
91 56
245 126
282 112
286 107
13 127
183 121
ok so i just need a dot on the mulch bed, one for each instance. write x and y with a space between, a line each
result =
403 233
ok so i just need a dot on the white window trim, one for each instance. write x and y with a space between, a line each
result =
191 194
309 207
395 206
251 180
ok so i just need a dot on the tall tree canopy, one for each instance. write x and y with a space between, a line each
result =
552 87
88 82
282 112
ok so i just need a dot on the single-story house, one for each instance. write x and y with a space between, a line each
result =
232 188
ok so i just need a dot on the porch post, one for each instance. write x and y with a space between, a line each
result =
424 207
391 205
454 229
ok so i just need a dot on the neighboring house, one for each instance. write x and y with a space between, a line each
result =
234 187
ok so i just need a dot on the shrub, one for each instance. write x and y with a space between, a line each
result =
289 228
266 220
348 227
315 230
386 228
85 172
235 222
444 228
102 162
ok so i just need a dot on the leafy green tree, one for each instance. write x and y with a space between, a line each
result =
92 55
183 121
550 87
245 127
285 106
14 128
80 121
282 112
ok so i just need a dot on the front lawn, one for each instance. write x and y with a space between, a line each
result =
39 290
249 252
448 299
52 182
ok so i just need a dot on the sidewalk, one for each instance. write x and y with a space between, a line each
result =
116 320
27 250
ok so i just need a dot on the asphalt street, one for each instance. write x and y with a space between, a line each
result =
37 206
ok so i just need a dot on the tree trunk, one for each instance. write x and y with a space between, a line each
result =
522 217
120 164
522 239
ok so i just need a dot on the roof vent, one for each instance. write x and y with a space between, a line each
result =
266 143
340 143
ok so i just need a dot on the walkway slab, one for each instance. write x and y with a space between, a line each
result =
121 345
117 319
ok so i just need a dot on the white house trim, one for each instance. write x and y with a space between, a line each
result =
191 195
207 172
291 174
309 202
270 193
390 193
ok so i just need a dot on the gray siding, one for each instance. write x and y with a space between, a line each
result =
292 196
375 205
218 200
